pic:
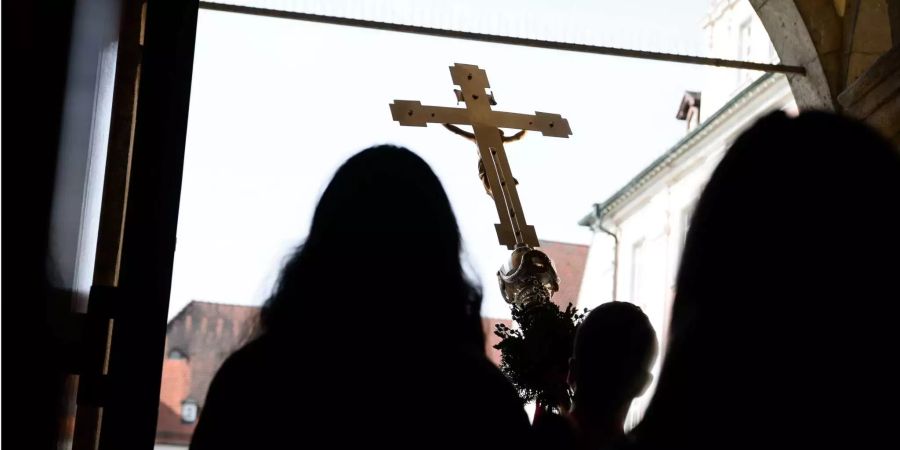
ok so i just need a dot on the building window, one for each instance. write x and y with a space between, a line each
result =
745 48
684 224
189 411
686 214
637 262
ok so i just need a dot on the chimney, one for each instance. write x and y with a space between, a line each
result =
689 110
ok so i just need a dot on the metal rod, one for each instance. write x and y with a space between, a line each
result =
514 216
598 226
498 39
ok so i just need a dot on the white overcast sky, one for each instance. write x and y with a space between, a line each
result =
277 105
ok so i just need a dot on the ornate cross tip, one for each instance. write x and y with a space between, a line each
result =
553 125
469 76
408 112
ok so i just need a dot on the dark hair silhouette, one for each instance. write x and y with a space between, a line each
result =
373 335
383 241
551 430
787 295
615 348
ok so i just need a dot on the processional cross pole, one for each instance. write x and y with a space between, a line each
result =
529 275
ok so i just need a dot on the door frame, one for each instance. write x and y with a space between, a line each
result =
131 397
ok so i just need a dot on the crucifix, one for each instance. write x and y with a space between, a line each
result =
529 277
513 230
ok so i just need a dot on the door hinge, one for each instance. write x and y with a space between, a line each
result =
89 358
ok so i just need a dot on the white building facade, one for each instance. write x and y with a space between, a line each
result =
639 231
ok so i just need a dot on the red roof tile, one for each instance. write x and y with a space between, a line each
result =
569 260
222 330
174 390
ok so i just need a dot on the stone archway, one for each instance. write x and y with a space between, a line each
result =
849 50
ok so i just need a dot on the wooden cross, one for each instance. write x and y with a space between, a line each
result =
513 230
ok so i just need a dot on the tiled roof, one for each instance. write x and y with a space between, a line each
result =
569 260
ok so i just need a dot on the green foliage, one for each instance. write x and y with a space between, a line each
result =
535 355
